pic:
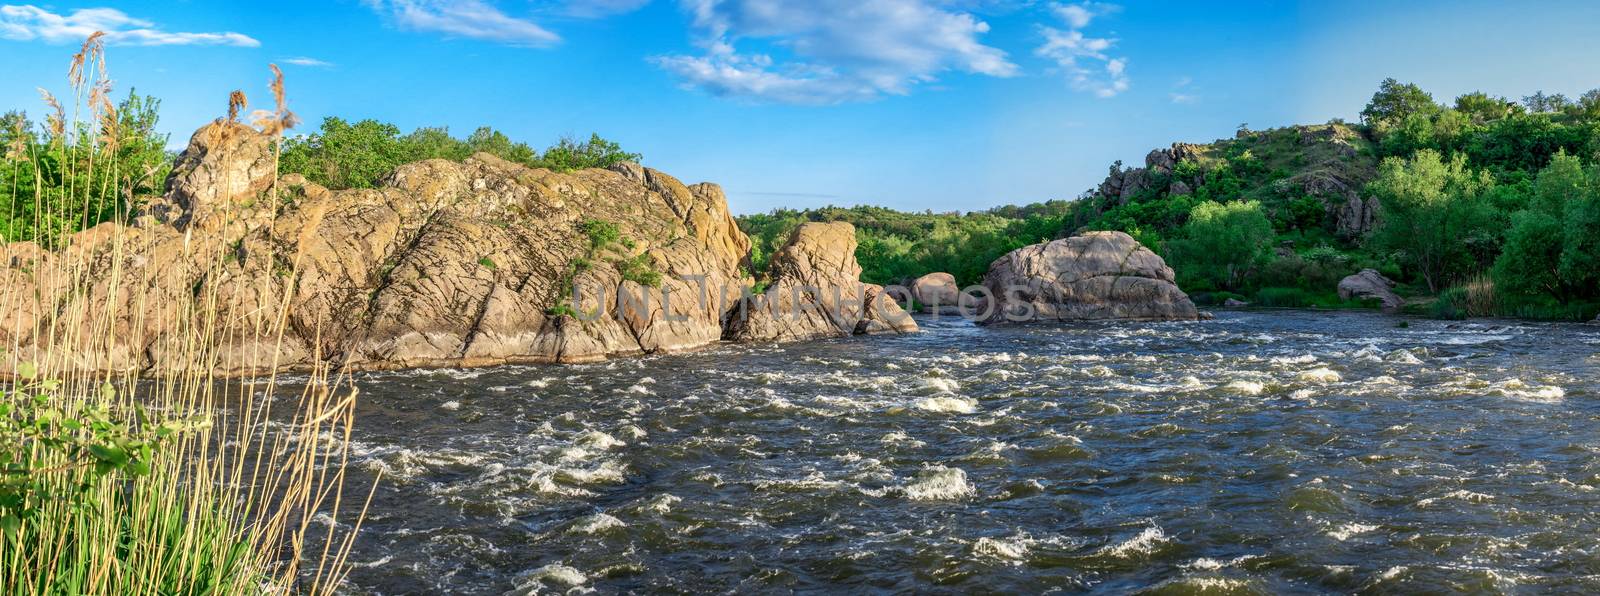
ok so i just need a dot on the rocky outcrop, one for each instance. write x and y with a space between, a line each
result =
472 263
816 292
1370 285
937 293
1093 276
1234 303
1325 164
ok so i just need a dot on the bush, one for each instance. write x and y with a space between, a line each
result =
1451 305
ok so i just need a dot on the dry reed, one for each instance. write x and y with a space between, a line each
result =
217 492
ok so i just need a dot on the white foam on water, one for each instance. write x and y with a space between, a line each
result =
1518 389
1099 370
662 504
946 404
1013 550
937 482
1245 387
1402 357
639 389
1350 530
1292 360
900 438
1458 495
595 524
595 439
450 405
1143 543
554 572
608 472
1322 375
939 385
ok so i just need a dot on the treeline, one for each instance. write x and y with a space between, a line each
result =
895 246
62 177
1488 204
341 154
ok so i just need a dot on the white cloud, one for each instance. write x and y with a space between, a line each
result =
473 19
1084 59
596 9
839 50
307 61
28 22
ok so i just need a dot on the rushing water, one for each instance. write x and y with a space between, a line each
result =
1259 452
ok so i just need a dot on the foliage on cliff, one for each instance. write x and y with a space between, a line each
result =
342 154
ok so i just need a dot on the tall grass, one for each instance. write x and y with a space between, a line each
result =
114 482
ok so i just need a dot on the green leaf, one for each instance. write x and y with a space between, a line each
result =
27 371
109 453
10 524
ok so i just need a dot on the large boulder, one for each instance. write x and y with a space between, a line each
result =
476 262
1092 276
937 293
816 292
1369 285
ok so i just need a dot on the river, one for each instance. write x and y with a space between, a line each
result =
1261 452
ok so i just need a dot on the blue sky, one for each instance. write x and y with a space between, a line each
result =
914 104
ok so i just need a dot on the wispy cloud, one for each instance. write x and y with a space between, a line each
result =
838 50
1180 91
27 22
472 19
307 62
1085 60
597 9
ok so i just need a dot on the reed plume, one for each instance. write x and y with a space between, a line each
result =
56 121
236 102
171 482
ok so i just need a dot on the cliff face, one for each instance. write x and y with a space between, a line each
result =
470 263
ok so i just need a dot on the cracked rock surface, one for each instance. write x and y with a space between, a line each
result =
1091 276
444 264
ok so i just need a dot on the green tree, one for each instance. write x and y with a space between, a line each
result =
1433 211
596 152
1530 262
1480 107
1395 101
1222 244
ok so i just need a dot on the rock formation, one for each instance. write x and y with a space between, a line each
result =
1369 284
937 293
1092 276
816 292
1330 169
445 264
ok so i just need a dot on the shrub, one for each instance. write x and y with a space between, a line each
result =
1451 305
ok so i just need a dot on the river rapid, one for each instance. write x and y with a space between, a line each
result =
1261 452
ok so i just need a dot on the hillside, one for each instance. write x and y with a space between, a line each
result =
1480 207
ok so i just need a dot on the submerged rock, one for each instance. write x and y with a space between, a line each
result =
816 292
1092 276
476 262
1235 303
1369 284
